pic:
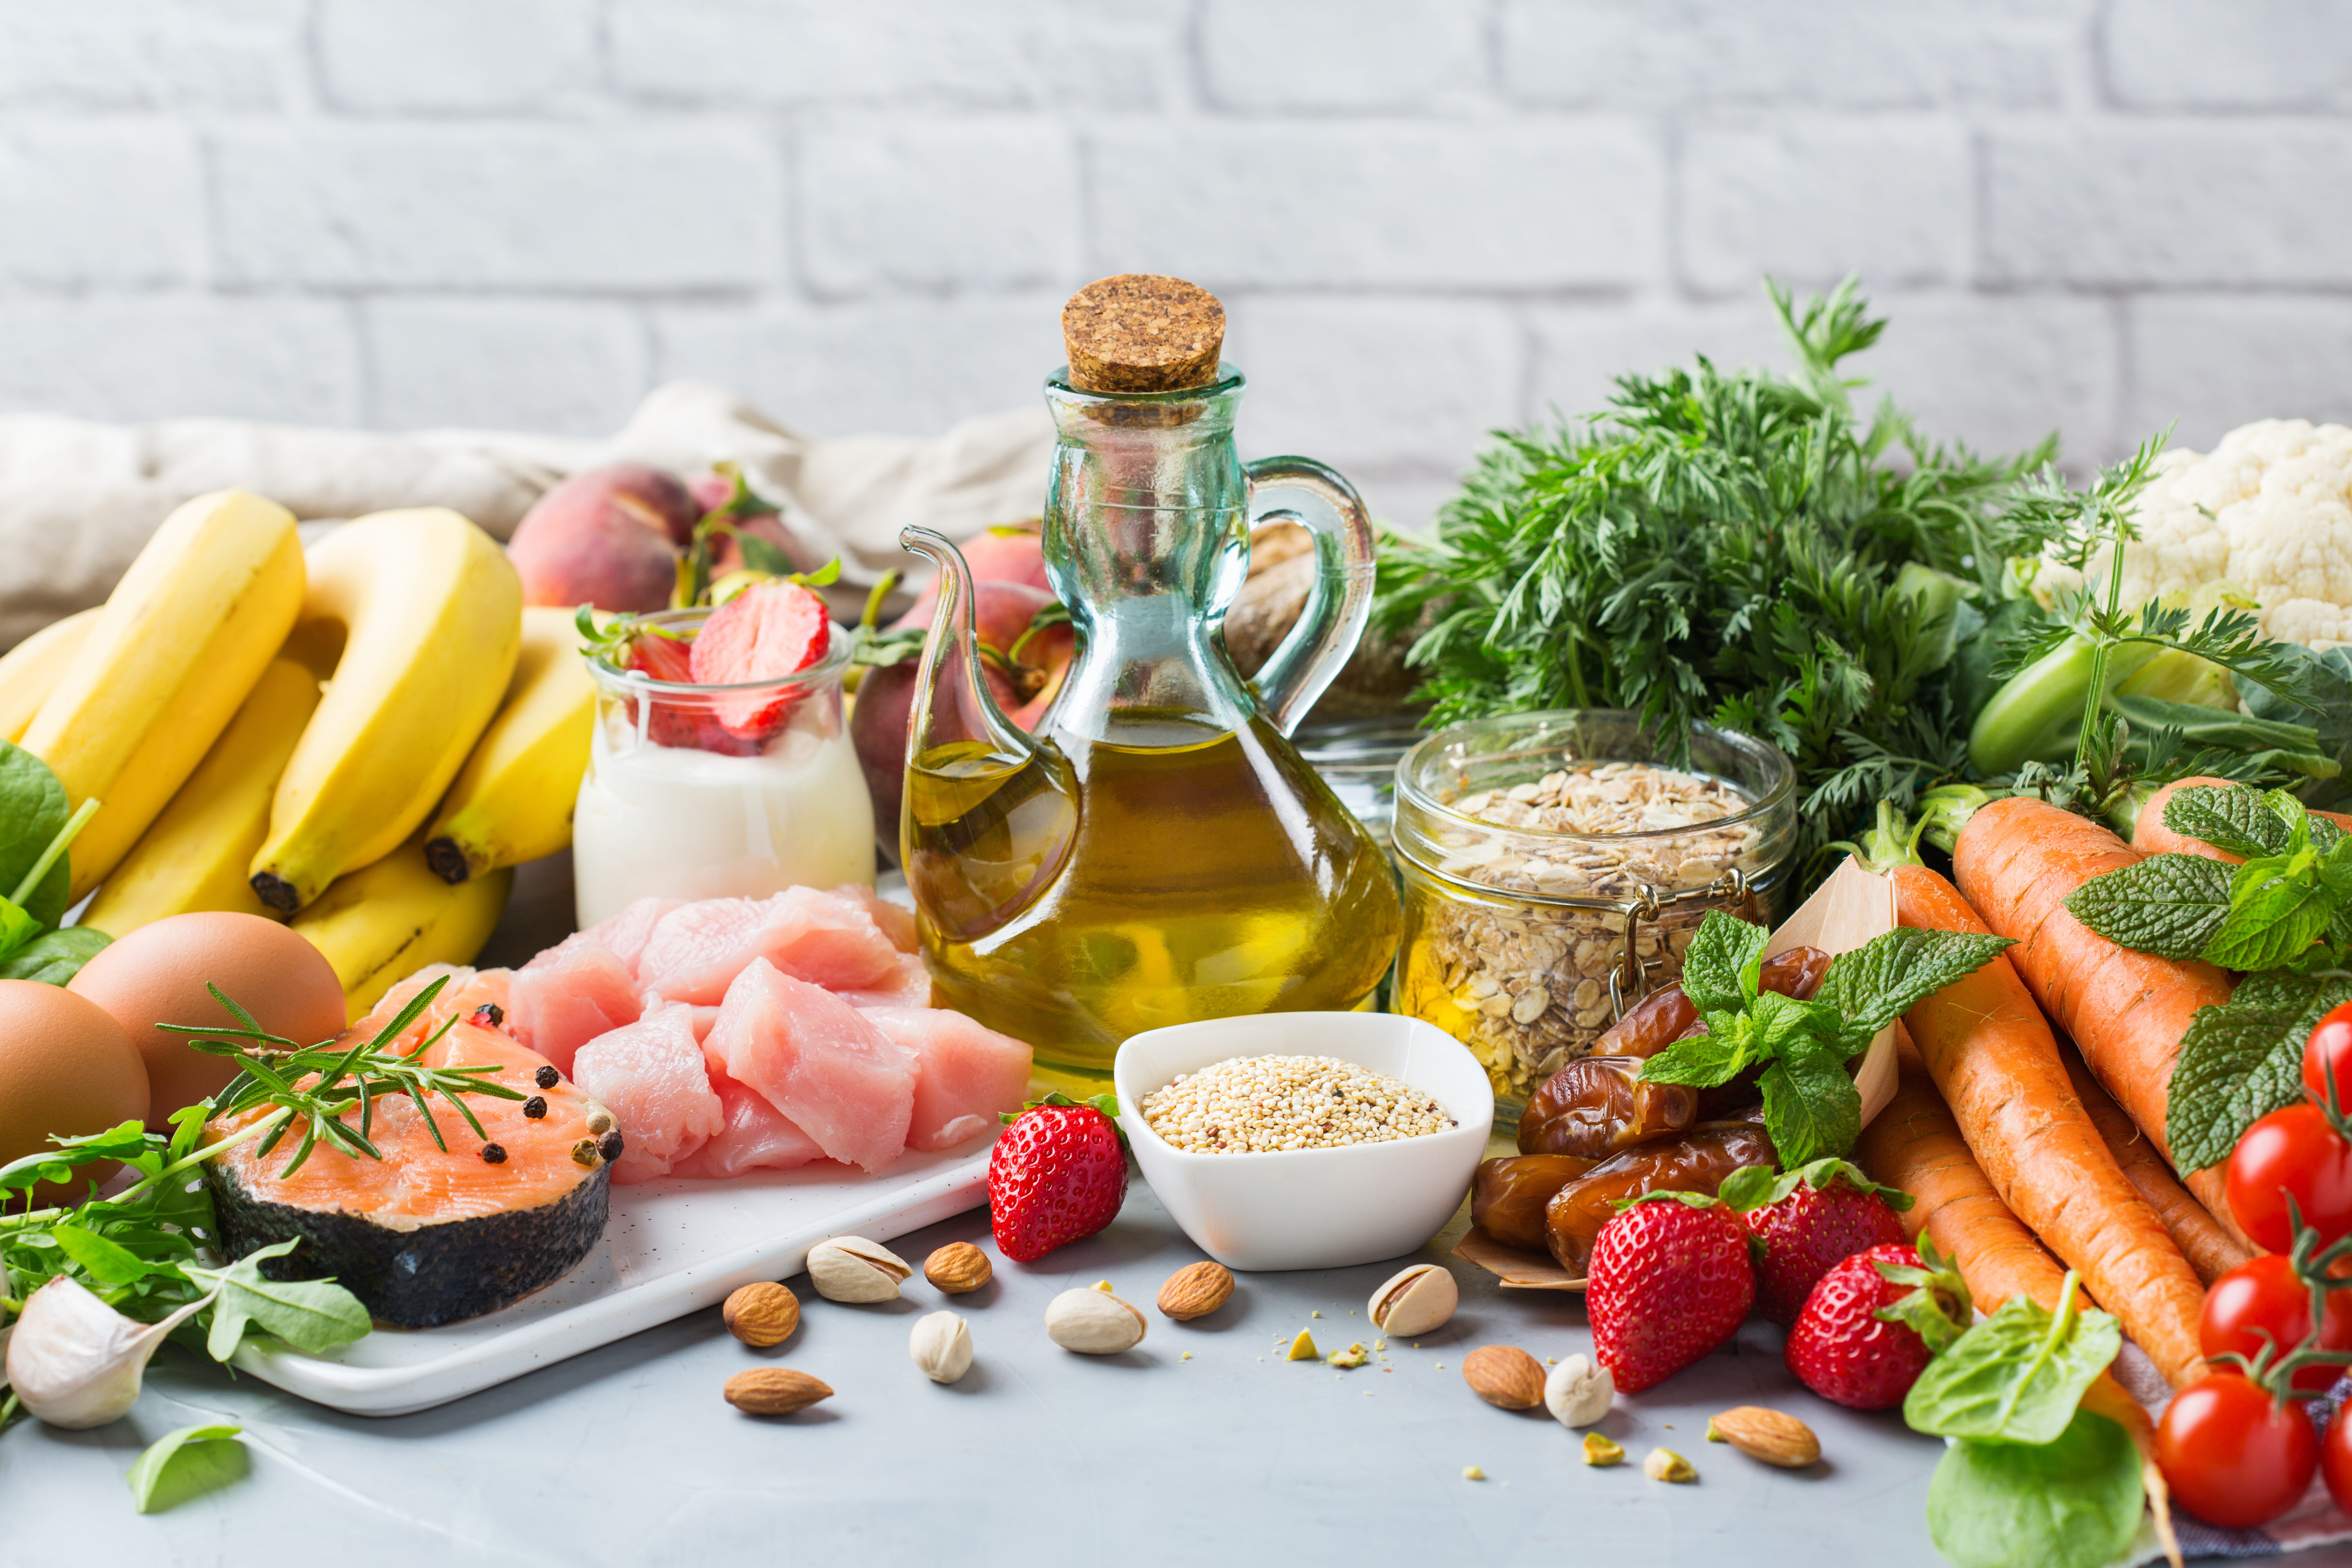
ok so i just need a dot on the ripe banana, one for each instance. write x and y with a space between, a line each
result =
383 923
431 615
195 855
512 801
29 671
162 671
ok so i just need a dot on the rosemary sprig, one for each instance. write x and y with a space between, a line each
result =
320 1083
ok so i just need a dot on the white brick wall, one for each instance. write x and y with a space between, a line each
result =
1427 216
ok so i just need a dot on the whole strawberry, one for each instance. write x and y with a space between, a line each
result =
1669 1282
1058 1173
1809 1220
1874 1321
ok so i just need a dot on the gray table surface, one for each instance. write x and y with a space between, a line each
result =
1200 1445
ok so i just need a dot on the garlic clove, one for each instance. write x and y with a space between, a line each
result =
75 1361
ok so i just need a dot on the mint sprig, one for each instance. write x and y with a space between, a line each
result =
2171 906
2243 1059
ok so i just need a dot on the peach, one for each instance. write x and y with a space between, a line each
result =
607 537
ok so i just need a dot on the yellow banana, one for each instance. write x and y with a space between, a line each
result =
195 856
431 617
162 671
383 923
512 801
29 671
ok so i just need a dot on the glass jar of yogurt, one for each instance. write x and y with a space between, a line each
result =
676 804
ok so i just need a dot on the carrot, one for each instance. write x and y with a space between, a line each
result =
2016 861
2209 1247
1995 1062
2151 836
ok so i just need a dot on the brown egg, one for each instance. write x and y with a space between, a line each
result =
158 972
66 1069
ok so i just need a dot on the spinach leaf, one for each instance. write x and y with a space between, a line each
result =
2242 1060
1871 985
2016 1377
54 957
33 812
312 1315
185 1464
1719 970
2168 905
2073 1503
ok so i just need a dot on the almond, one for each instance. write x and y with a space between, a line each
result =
1195 1292
1767 1435
774 1391
761 1315
1504 1376
959 1269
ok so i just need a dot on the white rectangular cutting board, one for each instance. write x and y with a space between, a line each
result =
672 1247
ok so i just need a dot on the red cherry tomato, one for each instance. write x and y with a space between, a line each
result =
2328 1054
2293 1152
2264 1295
2231 1456
2335 1461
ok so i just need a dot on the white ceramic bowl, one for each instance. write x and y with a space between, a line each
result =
1312 1208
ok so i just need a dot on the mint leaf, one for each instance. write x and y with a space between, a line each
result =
2242 1060
1871 984
2235 819
2168 905
1719 968
2016 1377
1703 1061
185 1464
312 1315
1758 1186
1810 1106
54 957
2073 1503
2278 907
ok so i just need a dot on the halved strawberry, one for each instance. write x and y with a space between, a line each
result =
768 632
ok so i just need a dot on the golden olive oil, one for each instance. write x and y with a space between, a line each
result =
1166 874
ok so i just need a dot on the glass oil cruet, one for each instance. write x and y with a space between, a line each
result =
1155 852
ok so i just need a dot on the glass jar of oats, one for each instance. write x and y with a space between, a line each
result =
1554 868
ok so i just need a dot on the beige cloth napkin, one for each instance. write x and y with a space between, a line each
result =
77 498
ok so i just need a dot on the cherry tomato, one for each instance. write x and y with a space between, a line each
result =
2231 1456
2328 1054
2335 1461
2264 1295
2290 1152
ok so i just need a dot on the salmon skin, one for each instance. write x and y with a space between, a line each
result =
428 1236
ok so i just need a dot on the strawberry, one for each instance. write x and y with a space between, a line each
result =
1668 1282
1874 1321
766 633
1809 1220
1058 1174
683 721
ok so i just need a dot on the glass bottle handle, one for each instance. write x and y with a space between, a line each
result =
1305 662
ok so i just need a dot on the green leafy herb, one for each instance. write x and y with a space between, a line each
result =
2327 686
312 1315
1723 950
2072 1502
1938 1306
2242 1060
2281 904
54 957
36 832
2242 822
1760 1186
2018 1376
2168 905
1877 982
185 1464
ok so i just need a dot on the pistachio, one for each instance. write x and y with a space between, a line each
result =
774 1391
1415 1300
941 1346
1093 1323
852 1269
1601 1451
1504 1376
958 1268
1665 1464
1578 1392
1195 1292
1771 1436
761 1314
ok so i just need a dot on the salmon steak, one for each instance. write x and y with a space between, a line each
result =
430 1235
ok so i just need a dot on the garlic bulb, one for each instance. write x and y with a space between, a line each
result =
76 1362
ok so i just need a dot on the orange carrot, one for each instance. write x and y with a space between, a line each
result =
2211 1249
2016 861
1996 1064
2151 836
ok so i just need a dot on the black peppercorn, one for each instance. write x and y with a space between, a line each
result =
611 1147
489 1015
547 1077
535 1107
492 1154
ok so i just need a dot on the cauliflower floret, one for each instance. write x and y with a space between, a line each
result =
2268 511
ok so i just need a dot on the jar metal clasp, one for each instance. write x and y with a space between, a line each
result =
1630 976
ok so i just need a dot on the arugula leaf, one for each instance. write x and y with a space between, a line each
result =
1871 985
54 957
1810 1106
2018 1376
2235 819
105 1261
2073 1503
1719 972
33 812
185 1464
2242 1060
312 1315
2168 905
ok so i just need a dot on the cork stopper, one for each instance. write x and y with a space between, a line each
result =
1143 332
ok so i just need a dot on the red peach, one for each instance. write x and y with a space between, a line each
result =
607 537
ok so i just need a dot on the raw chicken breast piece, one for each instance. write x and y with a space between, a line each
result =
895 920
965 1073
624 935
817 1059
696 950
911 987
757 1137
570 994
650 1074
